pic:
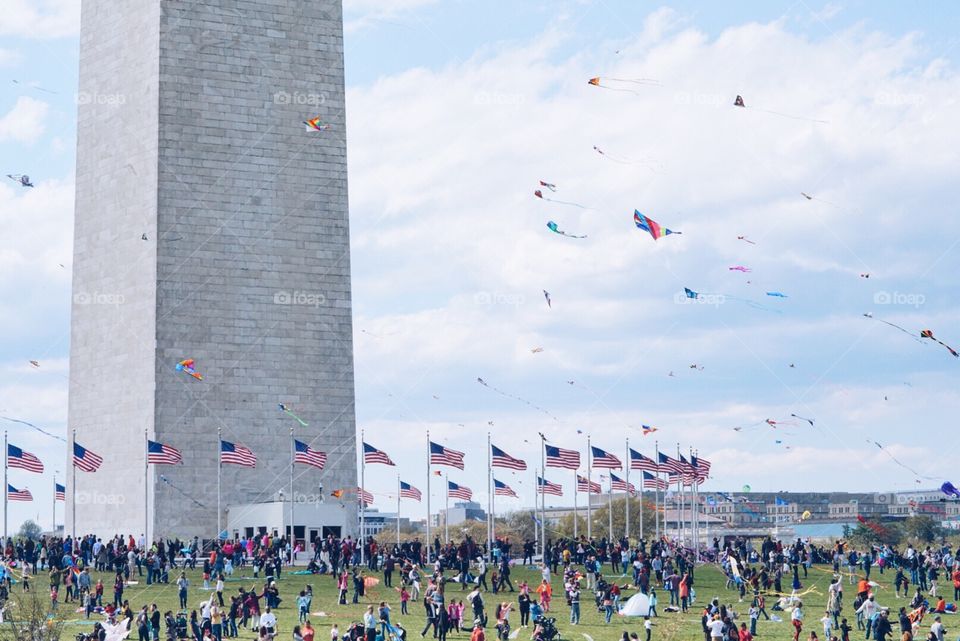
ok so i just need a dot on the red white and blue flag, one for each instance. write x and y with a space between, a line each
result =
373 455
651 482
640 462
502 489
303 453
701 467
583 485
671 465
602 459
85 459
459 491
499 458
13 494
559 457
24 460
160 454
366 498
61 492
440 455
618 484
234 454
546 487
407 491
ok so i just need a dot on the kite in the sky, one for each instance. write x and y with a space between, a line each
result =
699 368
867 275
724 297
516 398
552 226
651 226
536 350
549 186
22 179
771 422
926 333
746 240
949 489
647 429
622 160
35 364
878 529
738 102
604 83
286 410
539 194
187 366
905 331
316 124
808 420
899 462
777 295
546 295
740 268
34 85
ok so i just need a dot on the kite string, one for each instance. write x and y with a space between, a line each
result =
518 398
41 430
901 464
777 113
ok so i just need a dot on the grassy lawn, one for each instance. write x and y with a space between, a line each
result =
669 626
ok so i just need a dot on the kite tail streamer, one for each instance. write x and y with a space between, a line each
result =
777 113
195 501
39 429
929 334
516 398
565 202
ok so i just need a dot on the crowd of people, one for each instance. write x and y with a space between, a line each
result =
462 587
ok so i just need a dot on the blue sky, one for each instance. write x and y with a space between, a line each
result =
455 111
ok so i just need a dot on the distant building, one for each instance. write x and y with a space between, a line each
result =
458 513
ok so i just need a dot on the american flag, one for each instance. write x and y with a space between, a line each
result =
61 494
237 454
407 491
702 467
440 455
499 458
651 482
689 473
373 455
546 487
559 457
502 489
160 454
23 460
619 484
303 453
640 462
14 494
85 459
583 484
603 459
668 464
459 491
365 497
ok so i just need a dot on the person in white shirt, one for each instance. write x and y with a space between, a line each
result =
937 630
716 628
268 620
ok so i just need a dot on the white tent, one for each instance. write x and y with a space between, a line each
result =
637 606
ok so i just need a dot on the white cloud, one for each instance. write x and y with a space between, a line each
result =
25 122
40 19
361 14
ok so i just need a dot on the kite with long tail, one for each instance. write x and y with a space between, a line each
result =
738 102
719 298
905 331
552 226
549 186
286 410
539 194
605 83
651 226
652 165
901 463
926 333
516 398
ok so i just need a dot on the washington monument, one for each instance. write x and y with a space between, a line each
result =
211 225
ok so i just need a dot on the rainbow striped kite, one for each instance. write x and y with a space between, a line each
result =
651 226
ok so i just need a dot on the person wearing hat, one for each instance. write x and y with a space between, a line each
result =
477 634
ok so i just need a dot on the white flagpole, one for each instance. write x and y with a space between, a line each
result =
398 510
146 493
627 502
6 486
536 530
543 499
446 508
489 498
589 493
656 489
681 526
576 515
293 499
54 511
73 487
429 543
610 510
363 509
219 474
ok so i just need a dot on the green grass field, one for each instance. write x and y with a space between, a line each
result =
668 627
